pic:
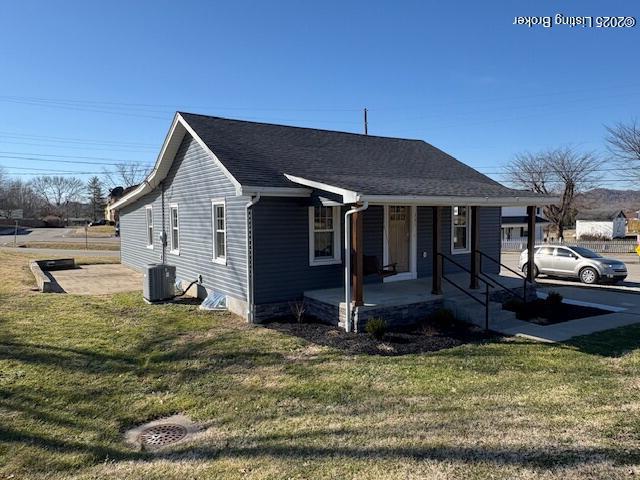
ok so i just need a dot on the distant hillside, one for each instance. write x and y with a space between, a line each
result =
601 199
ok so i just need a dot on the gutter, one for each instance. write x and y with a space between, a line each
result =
249 238
347 264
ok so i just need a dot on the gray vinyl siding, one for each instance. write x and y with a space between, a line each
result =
281 252
281 234
372 226
192 182
133 232
490 243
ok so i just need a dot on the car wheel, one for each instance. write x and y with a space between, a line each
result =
525 270
588 275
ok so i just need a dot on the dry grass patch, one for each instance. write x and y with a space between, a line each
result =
76 372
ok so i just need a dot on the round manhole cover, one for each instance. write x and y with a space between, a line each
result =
161 435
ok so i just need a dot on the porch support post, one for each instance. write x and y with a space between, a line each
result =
475 246
531 237
436 287
357 270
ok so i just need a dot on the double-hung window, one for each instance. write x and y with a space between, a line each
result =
175 228
149 216
324 235
460 229
219 227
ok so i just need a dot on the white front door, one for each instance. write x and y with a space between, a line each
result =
400 224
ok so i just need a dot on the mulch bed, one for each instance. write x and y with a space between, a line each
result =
426 338
542 314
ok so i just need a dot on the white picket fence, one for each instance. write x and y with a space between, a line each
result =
603 246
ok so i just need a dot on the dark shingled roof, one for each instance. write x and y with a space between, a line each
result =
259 154
509 220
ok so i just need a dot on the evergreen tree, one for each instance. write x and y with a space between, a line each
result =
96 199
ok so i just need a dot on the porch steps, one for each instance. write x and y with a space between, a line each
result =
468 310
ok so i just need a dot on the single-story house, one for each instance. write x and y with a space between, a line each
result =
601 224
514 224
261 213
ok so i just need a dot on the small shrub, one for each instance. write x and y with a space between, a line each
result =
443 318
298 308
554 299
513 304
376 327
53 221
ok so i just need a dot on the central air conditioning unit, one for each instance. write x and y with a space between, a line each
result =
159 282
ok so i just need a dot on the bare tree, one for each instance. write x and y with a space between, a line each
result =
125 175
58 191
623 141
561 172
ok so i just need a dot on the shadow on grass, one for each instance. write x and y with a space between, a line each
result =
610 343
285 448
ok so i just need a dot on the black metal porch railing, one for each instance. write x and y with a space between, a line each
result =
487 284
504 287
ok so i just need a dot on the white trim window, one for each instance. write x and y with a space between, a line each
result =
174 224
149 217
324 235
460 229
219 229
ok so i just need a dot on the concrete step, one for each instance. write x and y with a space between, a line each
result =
467 310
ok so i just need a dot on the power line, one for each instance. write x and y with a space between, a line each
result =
32 159
78 147
48 171
121 160
75 140
178 106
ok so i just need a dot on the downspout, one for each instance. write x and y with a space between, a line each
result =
347 263
163 232
249 238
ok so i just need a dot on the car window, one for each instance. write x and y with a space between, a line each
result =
585 252
545 251
563 252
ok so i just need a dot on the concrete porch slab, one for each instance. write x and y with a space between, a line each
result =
379 294
406 292
98 279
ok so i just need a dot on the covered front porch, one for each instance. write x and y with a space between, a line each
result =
419 233
405 302
447 252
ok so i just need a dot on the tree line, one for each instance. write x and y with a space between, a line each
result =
63 196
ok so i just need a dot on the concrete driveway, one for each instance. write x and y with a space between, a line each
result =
98 279
631 284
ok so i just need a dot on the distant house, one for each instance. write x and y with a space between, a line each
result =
601 224
14 214
114 195
514 224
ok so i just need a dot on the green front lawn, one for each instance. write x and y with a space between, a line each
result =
75 372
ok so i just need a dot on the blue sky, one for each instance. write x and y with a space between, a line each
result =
101 79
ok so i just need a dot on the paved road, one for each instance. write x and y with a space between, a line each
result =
45 252
631 284
52 235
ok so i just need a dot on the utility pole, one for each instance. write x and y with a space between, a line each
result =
366 124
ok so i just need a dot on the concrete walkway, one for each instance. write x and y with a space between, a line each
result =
98 279
627 304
